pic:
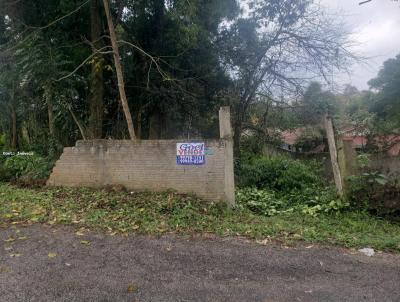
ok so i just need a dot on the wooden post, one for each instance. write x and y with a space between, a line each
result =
333 154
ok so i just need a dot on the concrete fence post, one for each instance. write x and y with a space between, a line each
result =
226 135
342 161
333 154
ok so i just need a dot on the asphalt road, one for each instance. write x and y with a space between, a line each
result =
56 264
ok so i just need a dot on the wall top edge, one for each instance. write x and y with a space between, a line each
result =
109 142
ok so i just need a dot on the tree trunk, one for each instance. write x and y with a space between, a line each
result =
139 123
80 127
237 132
50 113
14 135
155 125
237 128
333 154
118 68
96 93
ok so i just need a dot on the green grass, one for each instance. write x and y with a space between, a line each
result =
158 213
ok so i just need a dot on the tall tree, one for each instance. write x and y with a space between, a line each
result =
118 69
96 93
319 107
276 48
387 86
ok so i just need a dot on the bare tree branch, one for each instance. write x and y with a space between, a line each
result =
84 62
363 2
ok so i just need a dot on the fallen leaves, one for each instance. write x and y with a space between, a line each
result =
85 242
15 255
52 255
264 242
10 239
132 288
4 269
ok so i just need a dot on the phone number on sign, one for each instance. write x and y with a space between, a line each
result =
190 160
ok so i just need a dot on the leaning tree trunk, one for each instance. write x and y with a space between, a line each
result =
333 154
96 94
118 69
79 124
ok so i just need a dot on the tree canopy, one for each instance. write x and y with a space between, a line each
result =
181 61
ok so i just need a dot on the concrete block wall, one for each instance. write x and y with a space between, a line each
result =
145 165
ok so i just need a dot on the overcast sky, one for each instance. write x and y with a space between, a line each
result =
376 27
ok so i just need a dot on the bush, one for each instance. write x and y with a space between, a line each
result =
261 202
372 190
5 174
277 173
29 167
2 141
266 203
273 185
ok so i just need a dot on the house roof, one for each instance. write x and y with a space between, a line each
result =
388 143
290 137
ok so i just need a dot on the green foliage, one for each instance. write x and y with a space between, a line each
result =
370 189
378 111
180 35
2 141
375 192
311 138
316 103
275 185
309 202
159 213
387 101
277 173
29 167
261 202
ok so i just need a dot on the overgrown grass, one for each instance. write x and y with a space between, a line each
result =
158 213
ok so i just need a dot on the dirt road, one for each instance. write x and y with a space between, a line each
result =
42 263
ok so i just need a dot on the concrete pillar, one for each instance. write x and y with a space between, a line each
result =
333 153
342 161
225 128
350 156
226 135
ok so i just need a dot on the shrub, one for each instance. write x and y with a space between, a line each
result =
261 202
29 167
267 203
372 190
277 173
2 141
272 185
5 174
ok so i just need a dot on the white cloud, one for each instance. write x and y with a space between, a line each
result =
376 30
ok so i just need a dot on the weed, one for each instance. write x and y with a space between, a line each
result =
158 213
